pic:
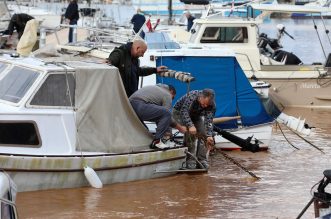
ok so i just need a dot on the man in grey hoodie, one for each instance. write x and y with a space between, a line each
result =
153 103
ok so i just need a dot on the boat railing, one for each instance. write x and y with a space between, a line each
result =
96 35
249 61
8 209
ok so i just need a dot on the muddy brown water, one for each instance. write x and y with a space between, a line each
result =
287 176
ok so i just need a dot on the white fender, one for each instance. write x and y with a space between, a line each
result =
92 177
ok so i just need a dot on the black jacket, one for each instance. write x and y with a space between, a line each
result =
18 22
128 67
72 11
138 21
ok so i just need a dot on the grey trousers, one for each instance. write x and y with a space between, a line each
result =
153 113
195 146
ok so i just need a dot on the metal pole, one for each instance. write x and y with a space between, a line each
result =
42 38
170 11
305 208
74 34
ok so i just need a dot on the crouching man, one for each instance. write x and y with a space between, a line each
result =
153 103
196 111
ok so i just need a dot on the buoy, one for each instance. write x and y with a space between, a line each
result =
92 177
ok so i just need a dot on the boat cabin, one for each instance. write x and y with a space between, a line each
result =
40 107
236 33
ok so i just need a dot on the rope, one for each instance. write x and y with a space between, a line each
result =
310 143
319 38
277 124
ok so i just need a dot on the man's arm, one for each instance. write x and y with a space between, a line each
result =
185 111
145 71
115 57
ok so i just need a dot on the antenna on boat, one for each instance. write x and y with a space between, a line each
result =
319 38
326 30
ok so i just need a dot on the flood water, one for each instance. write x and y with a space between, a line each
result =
287 175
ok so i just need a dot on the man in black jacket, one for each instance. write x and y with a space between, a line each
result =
138 20
18 22
126 59
72 15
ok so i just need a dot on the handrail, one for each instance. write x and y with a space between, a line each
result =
12 204
249 61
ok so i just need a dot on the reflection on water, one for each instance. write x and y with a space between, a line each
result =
287 176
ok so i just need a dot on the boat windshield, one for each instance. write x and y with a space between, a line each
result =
15 84
160 40
194 32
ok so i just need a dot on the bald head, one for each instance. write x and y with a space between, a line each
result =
138 49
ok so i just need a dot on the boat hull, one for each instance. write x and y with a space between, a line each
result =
54 172
308 93
262 132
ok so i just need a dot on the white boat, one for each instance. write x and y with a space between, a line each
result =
161 47
306 85
56 118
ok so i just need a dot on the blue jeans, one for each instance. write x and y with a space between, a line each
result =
153 113
71 30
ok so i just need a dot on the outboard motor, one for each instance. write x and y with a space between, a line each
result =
272 48
287 58
267 44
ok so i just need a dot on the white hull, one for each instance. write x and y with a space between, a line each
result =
54 172
263 133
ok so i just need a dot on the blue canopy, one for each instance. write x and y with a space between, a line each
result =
234 94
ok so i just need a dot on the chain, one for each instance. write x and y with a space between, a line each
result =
239 165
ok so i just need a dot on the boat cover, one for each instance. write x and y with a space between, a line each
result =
105 120
234 93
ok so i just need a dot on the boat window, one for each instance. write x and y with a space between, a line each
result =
55 92
225 35
19 133
15 84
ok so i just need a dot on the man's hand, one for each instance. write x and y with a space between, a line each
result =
161 68
67 21
181 128
210 143
192 130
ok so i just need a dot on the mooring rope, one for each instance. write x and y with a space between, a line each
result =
277 124
309 142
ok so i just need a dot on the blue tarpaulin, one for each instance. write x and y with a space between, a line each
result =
234 94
